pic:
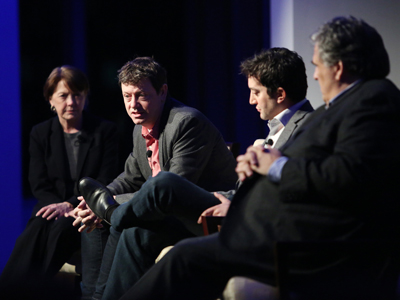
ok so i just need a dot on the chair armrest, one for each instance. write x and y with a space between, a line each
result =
211 224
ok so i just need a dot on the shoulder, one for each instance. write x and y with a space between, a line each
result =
46 126
179 112
376 92
306 107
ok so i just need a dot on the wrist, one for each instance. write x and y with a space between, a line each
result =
69 205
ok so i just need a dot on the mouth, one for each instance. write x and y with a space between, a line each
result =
137 113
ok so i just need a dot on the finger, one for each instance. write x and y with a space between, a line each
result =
47 212
253 159
241 176
40 211
243 170
199 221
221 198
203 214
82 205
91 228
82 228
77 222
53 215
72 213
88 220
84 213
217 213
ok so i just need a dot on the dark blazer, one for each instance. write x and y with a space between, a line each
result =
340 183
294 123
189 145
49 174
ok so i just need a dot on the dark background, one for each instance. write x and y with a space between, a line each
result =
200 43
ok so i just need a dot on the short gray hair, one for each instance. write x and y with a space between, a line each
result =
356 44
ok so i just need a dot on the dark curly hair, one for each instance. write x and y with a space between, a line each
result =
278 67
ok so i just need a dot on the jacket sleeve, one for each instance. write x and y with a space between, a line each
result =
192 146
129 181
42 188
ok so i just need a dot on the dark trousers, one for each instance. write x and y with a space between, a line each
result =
92 249
193 269
164 211
39 252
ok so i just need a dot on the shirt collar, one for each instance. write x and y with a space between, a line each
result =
342 92
285 115
151 133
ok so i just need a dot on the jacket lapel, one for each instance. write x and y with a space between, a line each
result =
293 124
162 146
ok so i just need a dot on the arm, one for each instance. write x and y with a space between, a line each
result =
43 189
190 147
130 181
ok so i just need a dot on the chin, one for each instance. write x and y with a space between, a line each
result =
138 122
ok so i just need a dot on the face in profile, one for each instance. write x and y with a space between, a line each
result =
142 102
266 105
68 105
325 76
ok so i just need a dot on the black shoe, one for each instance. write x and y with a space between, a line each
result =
97 197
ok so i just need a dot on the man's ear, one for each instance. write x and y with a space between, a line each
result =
164 90
280 95
339 71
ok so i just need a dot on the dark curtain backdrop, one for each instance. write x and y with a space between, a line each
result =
200 43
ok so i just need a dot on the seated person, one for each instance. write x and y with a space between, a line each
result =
278 85
59 155
168 136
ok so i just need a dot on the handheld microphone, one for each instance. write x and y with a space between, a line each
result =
270 142
149 153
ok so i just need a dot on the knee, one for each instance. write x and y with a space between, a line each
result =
182 248
163 179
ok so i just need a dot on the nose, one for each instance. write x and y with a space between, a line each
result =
71 100
315 75
134 103
252 100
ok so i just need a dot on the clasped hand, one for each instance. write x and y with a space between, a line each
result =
256 159
84 216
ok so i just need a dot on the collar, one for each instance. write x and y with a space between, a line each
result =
152 133
342 92
285 115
